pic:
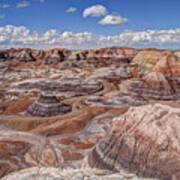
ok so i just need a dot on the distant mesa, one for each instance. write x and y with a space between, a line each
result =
55 56
116 52
47 105
105 57
70 58
144 141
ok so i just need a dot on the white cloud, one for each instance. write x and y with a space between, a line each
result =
160 37
23 4
5 6
42 1
71 10
78 38
2 16
96 10
113 19
13 36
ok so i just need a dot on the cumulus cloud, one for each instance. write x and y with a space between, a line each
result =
144 37
78 38
96 10
13 36
23 4
113 19
71 10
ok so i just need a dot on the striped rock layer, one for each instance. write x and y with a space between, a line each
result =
167 79
19 150
72 87
153 86
58 141
46 106
161 83
116 52
69 58
51 173
57 55
145 60
145 141
116 100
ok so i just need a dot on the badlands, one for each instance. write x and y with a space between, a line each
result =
111 113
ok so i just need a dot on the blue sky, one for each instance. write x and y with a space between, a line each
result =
89 23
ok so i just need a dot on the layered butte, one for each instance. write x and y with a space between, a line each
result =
47 105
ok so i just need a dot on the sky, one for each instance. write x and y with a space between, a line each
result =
86 24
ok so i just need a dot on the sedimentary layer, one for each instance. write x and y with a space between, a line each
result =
60 106
145 140
68 174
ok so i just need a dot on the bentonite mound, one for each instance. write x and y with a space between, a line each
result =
55 56
78 55
50 173
25 56
145 140
153 86
157 86
161 83
177 53
169 67
22 55
48 105
145 60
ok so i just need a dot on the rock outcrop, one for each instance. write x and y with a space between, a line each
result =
145 140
